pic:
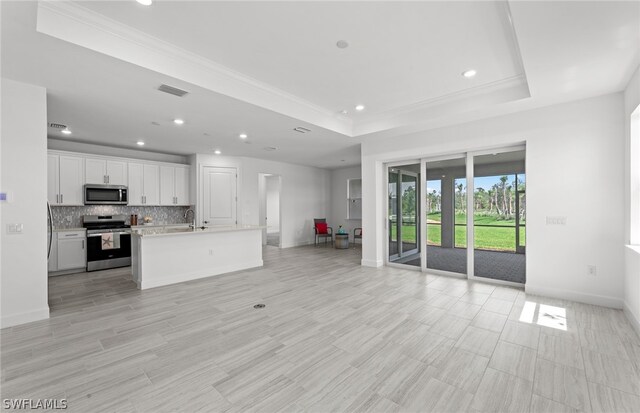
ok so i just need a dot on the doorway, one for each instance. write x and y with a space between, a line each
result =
462 214
403 191
499 219
269 189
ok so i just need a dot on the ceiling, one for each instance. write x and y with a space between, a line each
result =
263 68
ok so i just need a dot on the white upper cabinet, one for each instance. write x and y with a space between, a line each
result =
167 185
116 172
136 184
144 184
71 180
182 185
102 171
53 177
174 185
150 183
65 178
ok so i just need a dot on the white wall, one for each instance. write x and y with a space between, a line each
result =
272 205
304 194
23 268
575 155
339 205
632 181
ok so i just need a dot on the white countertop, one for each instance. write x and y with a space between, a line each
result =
182 230
155 226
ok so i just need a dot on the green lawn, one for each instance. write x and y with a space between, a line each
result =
491 238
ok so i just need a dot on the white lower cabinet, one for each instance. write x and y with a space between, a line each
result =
70 248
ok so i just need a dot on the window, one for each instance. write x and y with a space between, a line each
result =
354 198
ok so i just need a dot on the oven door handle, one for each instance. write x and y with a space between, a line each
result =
100 234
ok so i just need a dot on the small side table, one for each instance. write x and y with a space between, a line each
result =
341 241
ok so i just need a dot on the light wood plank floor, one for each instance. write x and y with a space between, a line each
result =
334 336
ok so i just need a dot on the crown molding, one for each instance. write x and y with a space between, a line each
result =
464 101
73 23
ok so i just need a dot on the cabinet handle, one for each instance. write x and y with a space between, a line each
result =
61 198
104 179
82 244
57 198
108 179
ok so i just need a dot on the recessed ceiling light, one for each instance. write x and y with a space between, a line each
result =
140 143
469 73
217 152
66 131
243 136
342 44
360 108
145 2
178 121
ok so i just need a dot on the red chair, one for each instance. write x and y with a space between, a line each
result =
322 230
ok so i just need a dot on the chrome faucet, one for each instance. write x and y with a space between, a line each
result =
193 215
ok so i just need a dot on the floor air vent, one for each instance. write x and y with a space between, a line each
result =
57 125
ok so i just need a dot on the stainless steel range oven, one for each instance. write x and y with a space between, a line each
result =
108 241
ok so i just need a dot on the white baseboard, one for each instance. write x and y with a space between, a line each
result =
601 300
297 244
22 318
633 319
198 274
371 263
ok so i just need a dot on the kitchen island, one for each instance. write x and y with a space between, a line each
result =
170 255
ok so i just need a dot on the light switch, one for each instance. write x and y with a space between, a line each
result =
15 228
556 220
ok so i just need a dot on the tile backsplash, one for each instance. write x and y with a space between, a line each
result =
71 217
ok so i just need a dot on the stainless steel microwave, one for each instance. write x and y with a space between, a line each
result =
105 195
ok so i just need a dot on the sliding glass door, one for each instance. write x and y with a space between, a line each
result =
446 203
473 215
499 216
403 214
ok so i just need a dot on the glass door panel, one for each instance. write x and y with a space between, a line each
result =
404 218
393 214
498 218
446 199
409 206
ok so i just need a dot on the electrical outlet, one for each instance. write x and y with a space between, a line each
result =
591 270
14 228
210 252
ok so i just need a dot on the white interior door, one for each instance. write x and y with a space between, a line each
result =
219 196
